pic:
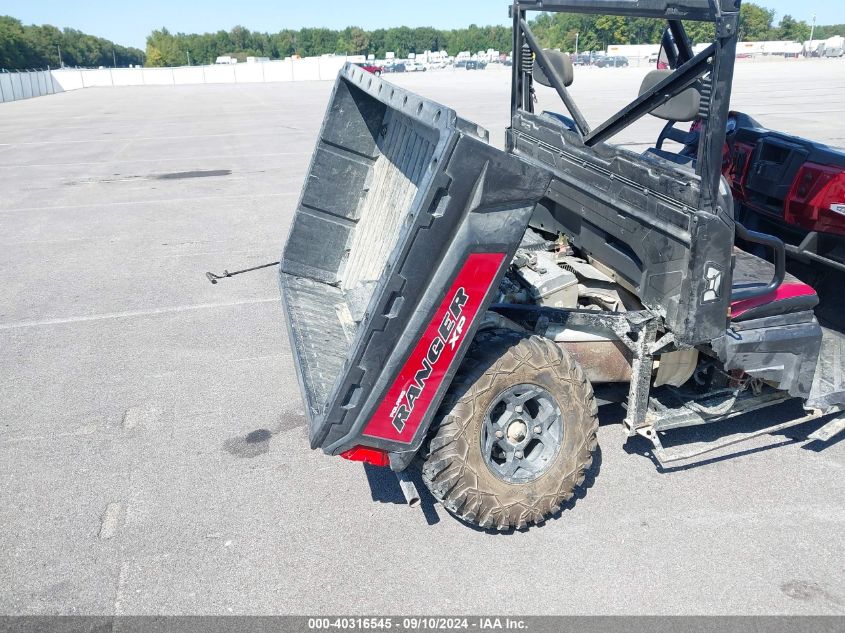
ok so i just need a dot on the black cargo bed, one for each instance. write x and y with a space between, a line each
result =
399 196
313 307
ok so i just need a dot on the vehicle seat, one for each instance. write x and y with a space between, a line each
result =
560 118
678 159
682 108
565 69
751 271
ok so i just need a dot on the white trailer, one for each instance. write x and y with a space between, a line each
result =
835 46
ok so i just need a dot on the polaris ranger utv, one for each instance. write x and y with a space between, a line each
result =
452 307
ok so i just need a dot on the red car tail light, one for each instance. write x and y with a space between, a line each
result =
371 456
816 201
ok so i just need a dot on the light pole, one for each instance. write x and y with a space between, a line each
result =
113 59
813 30
189 57
58 48
576 44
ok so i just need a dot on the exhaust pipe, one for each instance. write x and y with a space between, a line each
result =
409 489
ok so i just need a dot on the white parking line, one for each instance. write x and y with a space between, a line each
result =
161 159
132 313
263 133
151 201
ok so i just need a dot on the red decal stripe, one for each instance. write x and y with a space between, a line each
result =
785 291
403 408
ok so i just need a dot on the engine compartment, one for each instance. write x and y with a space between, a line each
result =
549 273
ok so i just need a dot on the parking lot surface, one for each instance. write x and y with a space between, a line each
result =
153 446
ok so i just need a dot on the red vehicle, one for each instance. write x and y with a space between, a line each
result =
461 311
793 188
789 187
372 68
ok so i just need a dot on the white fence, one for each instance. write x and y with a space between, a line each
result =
14 86
23 85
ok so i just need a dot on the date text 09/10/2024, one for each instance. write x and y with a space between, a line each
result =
417 624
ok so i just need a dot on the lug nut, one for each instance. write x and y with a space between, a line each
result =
538 429
500 434
518 454
518 408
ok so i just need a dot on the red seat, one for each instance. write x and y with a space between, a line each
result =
792 296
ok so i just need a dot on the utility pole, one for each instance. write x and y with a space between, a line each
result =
813 30
576 44
113 58
189 57
61 65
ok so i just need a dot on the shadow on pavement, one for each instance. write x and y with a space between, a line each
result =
384 488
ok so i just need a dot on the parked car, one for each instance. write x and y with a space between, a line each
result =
415 67
476 64
398 67
658 61
372 68
612 61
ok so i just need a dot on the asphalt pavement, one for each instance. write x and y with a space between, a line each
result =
153 448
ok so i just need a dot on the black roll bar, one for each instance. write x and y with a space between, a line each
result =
659 94
679 35
555 79
699 10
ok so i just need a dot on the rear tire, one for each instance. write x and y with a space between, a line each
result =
539 404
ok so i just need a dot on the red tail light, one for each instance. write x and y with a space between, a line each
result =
816 200
367 455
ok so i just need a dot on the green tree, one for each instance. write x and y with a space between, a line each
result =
38 47
755 22
700 32
15 51
826 32
154 56
165 49
282 44
792 30
353 41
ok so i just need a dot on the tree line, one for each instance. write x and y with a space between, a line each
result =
32 46
167 49
554 30
756 24
40 46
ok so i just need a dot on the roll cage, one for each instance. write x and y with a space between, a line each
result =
711 70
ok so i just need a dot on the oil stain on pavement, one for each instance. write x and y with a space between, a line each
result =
257 442
250 445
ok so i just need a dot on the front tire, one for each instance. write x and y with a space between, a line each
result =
515 434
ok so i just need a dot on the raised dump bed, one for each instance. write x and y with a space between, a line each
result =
406 221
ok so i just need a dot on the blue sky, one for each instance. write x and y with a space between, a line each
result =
128 23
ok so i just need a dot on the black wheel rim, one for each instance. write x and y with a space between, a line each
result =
522 433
